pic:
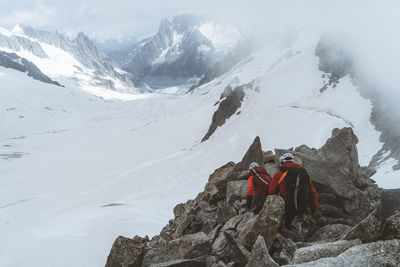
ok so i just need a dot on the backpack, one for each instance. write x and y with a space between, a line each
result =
298 191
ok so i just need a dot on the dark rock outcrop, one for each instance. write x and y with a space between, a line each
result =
381 253
225 110
215 229
13 61
260 256
368 230
392 227
127 252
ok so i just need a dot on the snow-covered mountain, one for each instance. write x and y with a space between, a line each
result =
77 170
13 61
183 48
75 62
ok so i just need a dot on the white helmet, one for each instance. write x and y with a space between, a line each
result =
287 157
252 165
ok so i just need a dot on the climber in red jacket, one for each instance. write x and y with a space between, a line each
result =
295 186
258 186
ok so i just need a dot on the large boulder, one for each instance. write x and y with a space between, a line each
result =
221 245
236 190
315 252
341 150
381 253
260 256
392 227
334 171
193 246
368 230
329 233
266 224
282 249
127 252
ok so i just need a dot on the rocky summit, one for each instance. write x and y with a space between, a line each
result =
358 227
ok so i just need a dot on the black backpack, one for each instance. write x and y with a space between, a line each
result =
298 191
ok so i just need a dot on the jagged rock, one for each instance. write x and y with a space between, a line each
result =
221 246
191 246
363 179
325 250
240 253
329 233
253 154
236 190
260 256
341 150
219 264
266 224
127 252
226 109
215 189
225 212
302 227
368 230
334 171
381 253
181 263
390 201
282 249
392 227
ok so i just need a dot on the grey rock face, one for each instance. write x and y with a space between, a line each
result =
236 190
368 230
181 263
260 256
325 250
187 247
381 253
127 252
282 249
225 110
390 201
392 227
11 60
334 171
329 233
266 224
341 150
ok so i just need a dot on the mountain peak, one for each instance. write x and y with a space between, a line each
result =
18 29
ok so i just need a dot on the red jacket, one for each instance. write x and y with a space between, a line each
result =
273 188
260 187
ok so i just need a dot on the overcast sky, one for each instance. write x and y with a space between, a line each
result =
106 19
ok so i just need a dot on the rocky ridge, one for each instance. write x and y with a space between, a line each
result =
216 229
13 61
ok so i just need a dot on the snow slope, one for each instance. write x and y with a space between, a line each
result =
78 170
76 62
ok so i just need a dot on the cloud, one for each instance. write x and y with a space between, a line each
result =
40 15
